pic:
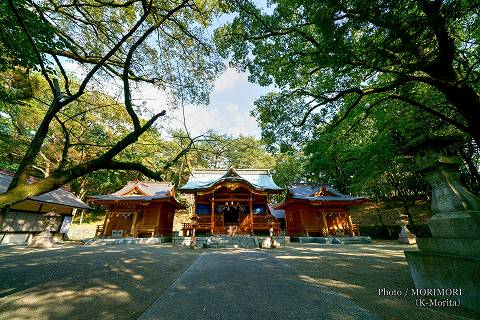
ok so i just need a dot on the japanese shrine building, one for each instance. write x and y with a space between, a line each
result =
231 198
139 208
25 219
318 210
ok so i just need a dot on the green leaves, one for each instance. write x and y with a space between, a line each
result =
329 56
16 50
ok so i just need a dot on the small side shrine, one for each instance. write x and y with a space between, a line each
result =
318 210
234 199
25 219
141 208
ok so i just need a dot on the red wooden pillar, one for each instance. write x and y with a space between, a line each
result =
159 221
106 223
325 224
251 213
212 216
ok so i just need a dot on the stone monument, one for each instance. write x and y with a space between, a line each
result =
405 235
451 258
44 239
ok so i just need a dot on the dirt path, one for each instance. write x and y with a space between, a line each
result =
86 282
249 284
360 271
121 282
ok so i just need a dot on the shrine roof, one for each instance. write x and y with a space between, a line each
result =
60 196
204 179
139 191
277 213
318 193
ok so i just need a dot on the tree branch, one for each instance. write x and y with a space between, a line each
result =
431 111
34 47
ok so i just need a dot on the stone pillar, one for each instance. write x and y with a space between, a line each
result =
451 258
405 235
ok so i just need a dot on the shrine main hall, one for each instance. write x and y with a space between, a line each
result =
234 198
227 202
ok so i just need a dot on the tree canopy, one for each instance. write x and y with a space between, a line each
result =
328 58
164 44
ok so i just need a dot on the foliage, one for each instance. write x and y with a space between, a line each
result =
289 168
16 51
224 151
75 129
328 58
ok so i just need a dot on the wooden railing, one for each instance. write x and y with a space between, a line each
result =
355 230
99 230
260 223
264 223
314 228
201 225
146 228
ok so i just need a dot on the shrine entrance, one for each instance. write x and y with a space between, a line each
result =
231 198
231 216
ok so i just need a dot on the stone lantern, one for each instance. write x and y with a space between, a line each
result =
44 239
451 258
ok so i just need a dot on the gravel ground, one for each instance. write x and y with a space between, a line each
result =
120 282
248 284
86 282
359 271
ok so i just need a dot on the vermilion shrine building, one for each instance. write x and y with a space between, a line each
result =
226 199
139 208
318 210
231 198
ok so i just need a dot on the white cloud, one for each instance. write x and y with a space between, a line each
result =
228 80
228 112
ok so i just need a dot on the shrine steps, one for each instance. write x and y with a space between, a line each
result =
122 241
225 241
333 240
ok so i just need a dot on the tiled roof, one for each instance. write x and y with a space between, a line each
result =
277 213
59 196
139 191
318 193
259 179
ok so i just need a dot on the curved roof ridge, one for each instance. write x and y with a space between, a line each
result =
260 179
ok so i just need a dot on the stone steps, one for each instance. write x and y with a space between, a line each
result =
333 240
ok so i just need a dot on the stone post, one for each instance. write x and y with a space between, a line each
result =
405 235
451 258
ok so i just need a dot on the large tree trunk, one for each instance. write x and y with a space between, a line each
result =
387 231
467 102
472 169
22 190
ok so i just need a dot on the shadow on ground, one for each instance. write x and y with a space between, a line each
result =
360 271
86 282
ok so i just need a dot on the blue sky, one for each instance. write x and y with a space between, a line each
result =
228 112
231 101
